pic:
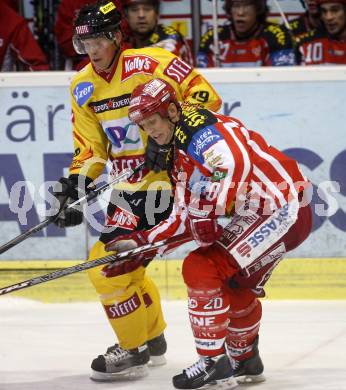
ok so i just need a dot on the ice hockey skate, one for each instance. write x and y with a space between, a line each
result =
249 370
211 372
157 349
119 363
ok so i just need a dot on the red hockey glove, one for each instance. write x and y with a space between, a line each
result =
203 224
124 243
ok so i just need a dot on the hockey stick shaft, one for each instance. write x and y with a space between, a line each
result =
283 16
119 258
126 174
216 35
25 235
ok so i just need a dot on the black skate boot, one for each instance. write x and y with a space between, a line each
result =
249 370
119 363
216 372
157 349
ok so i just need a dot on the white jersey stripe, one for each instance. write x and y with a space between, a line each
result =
272 161
268 183
246 158
259 190
174 219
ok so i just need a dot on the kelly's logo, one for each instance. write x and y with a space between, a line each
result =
137 64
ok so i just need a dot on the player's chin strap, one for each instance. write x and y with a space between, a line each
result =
124 175
119 258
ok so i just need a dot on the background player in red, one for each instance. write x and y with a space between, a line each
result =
308 21
327 44
248 39
220 168
144 30
18 47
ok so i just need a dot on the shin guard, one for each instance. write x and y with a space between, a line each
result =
209 318
243 330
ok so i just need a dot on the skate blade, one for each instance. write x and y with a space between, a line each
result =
223 384
157 361
128 374
250 379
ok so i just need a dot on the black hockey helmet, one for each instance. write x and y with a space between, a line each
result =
95 20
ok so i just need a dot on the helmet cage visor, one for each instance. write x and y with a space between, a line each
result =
82 47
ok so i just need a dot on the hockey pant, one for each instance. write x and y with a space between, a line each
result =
131 301
225 280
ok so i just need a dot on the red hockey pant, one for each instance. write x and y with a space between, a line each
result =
220 314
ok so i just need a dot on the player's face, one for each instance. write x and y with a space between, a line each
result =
334 17
311 6
158 128
244 16
142 18
101 52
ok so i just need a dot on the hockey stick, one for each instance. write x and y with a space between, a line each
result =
216 35
283 16
126 174
119 258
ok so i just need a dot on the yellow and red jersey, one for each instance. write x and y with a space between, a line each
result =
101 127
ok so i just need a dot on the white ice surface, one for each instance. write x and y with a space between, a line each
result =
51 346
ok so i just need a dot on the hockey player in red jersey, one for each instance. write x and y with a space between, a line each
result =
220 168
326 45
144 30
18 46
308 21
248 39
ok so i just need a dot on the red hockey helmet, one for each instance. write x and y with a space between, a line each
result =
151 98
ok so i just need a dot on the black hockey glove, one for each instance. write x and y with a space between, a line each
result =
158 157
67 192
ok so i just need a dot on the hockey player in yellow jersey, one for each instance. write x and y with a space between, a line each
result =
103 133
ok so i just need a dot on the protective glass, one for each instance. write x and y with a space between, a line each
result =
94 42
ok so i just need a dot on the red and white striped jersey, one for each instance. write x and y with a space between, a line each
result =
221 166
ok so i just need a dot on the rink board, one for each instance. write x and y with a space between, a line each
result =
36 142
293 279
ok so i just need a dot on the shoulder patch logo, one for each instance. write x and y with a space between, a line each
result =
82 92
137 64
178 70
